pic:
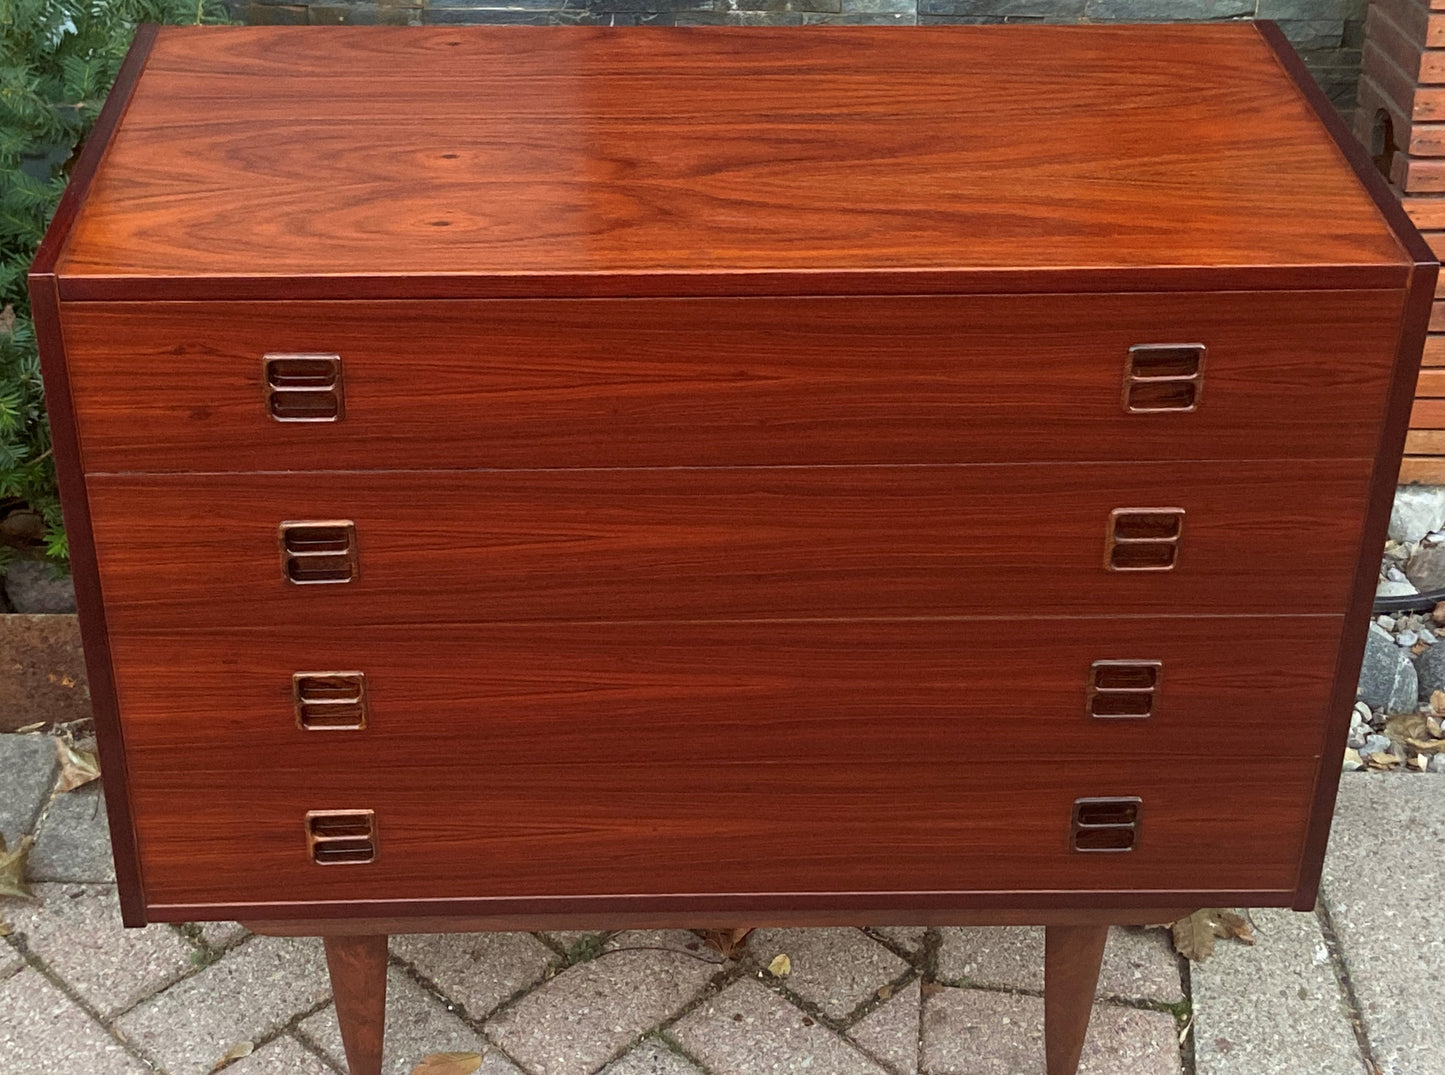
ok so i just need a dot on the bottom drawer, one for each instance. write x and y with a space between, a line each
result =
514 762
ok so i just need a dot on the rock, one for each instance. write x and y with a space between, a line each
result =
1363 712
1387 676
1394 574
1359 732
1427 636
1390 588
1426 568
1430 672
1375 744
1352 763
1418 510
1435 537
31 586
1387 622
1436 764
1406 639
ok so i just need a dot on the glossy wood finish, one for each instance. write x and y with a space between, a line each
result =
1072 957
587 160
191 551
725 382
561 832
1410 332
769 694
358 987
44 288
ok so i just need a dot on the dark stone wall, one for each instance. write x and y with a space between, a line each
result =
1328 33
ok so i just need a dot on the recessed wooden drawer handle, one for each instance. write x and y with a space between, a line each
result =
341 836
1163 377
1106 824
1123 689
330 701
319 552
1143 539
304 388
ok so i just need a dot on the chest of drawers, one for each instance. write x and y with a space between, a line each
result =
530 477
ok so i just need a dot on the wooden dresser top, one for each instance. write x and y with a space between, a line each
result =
270 163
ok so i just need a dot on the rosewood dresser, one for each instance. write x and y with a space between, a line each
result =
557 477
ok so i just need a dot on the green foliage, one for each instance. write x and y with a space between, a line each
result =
57 61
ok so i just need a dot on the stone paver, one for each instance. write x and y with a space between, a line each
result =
978 1032
416 1024
74 842
891 1031
75 930
836 969
566 939
908 938
477 971
1384 879
582 1018
10 960
283 1056
44 1031
248 995
27 773
750 1030
1138 963
221 934
652 1058
1275 1008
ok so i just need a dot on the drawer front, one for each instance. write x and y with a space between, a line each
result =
763 694
442 819
727 382
767 543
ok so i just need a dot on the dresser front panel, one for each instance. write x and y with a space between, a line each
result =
730 382
452 822
190 551
757 693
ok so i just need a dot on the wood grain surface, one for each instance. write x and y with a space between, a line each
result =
223 827
186 551
834 693
715 382
585 160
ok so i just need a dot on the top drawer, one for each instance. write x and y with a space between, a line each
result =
729 382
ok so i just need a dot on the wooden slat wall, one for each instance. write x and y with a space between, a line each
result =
1403 77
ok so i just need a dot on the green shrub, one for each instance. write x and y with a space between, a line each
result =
57 60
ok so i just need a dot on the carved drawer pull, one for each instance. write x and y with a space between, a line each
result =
319 552
1108 825
1163 377
304 388
1143 539
1123 689
335 837
330 701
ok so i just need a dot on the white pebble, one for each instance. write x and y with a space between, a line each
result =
1395 575
1406 638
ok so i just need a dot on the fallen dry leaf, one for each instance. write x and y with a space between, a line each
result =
1426 746
726 942
1194 936
1419 761
1435 728
6 928
1403 726
781 966
12 870
235 1052
1437 702
77 767
1438 613
448 1064
1383 761
884 992
929 988
28 728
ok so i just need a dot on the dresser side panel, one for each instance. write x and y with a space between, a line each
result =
75 503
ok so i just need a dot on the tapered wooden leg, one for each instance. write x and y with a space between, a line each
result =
1072 955
358 984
